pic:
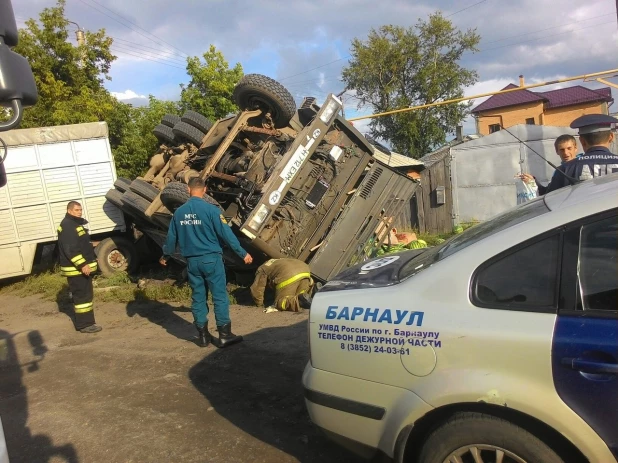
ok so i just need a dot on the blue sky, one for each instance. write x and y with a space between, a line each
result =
305 43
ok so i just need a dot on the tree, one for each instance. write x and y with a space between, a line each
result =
138 143
397 68
210 89
69 78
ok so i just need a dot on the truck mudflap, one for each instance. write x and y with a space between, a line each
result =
382 195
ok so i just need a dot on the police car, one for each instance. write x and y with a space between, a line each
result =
499 345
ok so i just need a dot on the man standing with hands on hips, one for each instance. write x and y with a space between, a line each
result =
199 228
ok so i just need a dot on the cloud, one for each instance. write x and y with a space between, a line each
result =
128 95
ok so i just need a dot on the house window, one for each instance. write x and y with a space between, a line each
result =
494 128
530 121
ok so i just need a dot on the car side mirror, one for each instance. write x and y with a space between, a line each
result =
17 86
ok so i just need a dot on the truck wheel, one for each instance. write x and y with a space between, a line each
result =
134 205
122 184
115 197
164 134
116 254
175 194
182 130
170 120
144 189
469 436
196 120
255 91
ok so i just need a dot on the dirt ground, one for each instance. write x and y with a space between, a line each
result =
142 391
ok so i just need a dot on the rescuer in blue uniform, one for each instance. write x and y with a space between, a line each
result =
595 136
200 230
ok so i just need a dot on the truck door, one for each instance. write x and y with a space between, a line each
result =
585 344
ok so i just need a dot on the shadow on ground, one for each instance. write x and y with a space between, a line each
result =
256 385
21 444
164 315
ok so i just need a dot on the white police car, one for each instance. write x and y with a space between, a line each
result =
499 345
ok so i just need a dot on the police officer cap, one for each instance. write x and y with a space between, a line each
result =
592 123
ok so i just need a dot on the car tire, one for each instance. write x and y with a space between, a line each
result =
116 254
255 91
134 205
175 194
182 130
170 120
196 120
467 431
115 197
164 134
144 189
122 184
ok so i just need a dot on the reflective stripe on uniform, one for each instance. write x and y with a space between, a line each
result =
73 271
294 279
83 308
59 229
80 231
78 259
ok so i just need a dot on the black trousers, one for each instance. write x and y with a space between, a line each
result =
81 288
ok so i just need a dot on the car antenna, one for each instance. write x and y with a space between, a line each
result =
572 180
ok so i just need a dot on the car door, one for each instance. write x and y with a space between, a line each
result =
585 343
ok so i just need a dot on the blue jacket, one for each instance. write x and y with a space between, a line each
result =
200 229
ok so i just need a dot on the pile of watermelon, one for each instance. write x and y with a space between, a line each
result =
417 244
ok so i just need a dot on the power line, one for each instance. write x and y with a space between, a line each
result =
135 47
161 51
122 52
317 67
119 22
124 48
466 8
139 27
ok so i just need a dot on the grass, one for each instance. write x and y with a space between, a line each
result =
52 286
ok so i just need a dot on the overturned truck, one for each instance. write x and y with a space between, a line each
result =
300 183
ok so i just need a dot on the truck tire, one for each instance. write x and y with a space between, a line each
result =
134 205
182 130
115 197
144 189
468 432
122 184
175 194
165 134
170 120
116 254
196 120
255 91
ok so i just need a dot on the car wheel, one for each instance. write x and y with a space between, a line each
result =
122 184
164 134
116 254
477 437
170 120
182 130
144 189
196 120
175 194
115 197
255 91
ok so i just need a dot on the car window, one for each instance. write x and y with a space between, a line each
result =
525 279
597 266
473 235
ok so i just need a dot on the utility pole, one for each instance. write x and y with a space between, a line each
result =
81 41
340 95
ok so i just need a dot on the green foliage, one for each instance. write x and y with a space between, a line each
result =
210 89
69 78
137 143
397 68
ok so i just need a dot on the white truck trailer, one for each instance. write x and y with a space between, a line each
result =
46 168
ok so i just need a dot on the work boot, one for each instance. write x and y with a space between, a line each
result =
226 337
91 329
204 335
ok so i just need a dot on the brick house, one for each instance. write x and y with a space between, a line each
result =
555 107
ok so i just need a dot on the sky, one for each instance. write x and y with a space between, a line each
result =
304 44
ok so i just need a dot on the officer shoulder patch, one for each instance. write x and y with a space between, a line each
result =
223 218
59 229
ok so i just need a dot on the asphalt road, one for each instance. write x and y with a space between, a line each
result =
142 391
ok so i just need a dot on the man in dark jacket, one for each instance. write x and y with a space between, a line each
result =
289 277
77 263
200 230
595 136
